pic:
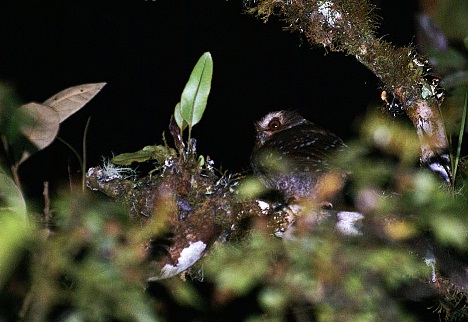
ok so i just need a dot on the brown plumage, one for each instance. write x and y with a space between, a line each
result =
291 154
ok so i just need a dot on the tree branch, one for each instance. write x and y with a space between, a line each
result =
349 26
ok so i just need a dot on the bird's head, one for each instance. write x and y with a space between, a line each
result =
275 122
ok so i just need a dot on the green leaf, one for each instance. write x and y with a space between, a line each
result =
14 223
11 197
179 119
195 95
201 161
151 152
15 234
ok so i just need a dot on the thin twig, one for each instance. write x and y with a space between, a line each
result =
47 217
83 165
72 149
70 177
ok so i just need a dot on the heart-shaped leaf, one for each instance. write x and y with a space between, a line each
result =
195 95
38 124
41 126
72 99
33 126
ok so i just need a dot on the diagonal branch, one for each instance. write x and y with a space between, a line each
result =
349 26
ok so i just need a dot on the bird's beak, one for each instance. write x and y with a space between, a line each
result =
261 138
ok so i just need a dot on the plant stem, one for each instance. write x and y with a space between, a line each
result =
460 139
83 165
15 174
73 150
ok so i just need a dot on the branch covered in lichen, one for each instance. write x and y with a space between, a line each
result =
349 26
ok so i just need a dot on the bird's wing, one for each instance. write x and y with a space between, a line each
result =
305 147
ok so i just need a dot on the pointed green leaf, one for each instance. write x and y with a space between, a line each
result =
195 95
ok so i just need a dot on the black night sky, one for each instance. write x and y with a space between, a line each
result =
145 51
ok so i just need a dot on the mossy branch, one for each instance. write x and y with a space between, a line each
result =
349 26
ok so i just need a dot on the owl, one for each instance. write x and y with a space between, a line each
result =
291 154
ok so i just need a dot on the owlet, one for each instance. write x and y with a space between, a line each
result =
291 154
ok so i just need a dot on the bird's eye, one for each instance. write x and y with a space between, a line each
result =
274 124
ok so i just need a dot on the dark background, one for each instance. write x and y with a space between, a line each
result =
145 51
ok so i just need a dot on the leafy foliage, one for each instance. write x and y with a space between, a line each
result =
33 127
195 95
91 264
188 112
365 277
